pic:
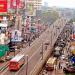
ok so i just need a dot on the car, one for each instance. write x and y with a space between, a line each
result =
62 44
62 57
69 69
57 51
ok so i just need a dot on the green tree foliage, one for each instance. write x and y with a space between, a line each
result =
50 16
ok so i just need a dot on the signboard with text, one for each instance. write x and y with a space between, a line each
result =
31 10
21 4
3 6
14 4
16 36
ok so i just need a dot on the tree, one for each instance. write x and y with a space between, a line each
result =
50 16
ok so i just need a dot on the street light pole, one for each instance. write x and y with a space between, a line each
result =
51 38
16 16
56 32
27 65
42 50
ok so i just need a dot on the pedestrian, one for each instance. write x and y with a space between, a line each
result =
38 34
46 73
46 47
60 67
55 67
29 41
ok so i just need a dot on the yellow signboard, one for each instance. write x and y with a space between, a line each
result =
31 10
1 6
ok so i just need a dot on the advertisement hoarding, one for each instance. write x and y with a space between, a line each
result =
21 4
14 4
17 4
31 10
3 5
16 36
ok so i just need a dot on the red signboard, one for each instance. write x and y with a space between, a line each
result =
14 4
3 5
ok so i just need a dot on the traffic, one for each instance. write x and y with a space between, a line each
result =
62 58
37 38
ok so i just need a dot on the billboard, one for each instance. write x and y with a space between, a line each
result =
21 4
17 4
16 36
31 10
14 4
3 5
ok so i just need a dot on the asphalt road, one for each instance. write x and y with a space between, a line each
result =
33 51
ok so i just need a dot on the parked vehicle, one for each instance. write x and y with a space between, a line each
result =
72 43
69 69
62 57
72 48
16 62
50 64
62 43
57 51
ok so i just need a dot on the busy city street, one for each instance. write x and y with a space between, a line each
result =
37 37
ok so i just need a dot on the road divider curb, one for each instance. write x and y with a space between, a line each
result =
40 63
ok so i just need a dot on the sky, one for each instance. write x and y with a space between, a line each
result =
60 3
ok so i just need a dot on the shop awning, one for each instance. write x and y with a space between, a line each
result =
3 50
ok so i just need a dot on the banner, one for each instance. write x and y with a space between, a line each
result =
14 4
3 5
31 10
21 4
16 36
